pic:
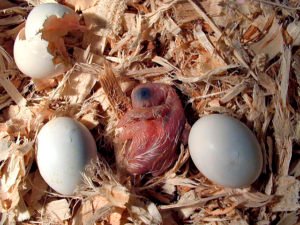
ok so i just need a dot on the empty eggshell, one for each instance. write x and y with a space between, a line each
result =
64 148
31 52
225 151
33 59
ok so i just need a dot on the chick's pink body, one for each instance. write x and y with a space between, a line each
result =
152 129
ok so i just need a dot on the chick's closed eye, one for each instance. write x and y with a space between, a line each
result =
143 94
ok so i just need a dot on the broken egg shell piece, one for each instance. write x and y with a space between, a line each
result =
39 14
33 59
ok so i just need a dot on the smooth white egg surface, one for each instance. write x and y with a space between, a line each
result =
40 13
33 59
64 149
225 151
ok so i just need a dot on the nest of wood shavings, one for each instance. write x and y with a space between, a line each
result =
240 58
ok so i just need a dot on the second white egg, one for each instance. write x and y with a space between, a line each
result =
225 151
64 148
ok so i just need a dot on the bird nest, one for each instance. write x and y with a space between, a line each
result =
240 58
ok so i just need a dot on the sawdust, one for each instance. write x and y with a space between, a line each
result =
241 58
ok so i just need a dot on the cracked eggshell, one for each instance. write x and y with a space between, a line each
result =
225 151
40 13
64 149
31 51
33 59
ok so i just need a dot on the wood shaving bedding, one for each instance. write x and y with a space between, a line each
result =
236 57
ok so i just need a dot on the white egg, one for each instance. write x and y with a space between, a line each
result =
40 13
33 59
64 149
225 151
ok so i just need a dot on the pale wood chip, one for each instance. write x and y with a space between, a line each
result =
206 76
184 12
77 87
288 188
39 188
80 4
13 91
256 199
283 136
267 82
272 43
154 16
187 197
198 202
289 219
259 25
285 73
22 211
90 120
117 99
106 17
4 148
294 31
57 210
117 195
171 26
204 15
145 213
88 208
233 92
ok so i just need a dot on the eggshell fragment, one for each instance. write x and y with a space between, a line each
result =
225 151
64 149
33 59
40 13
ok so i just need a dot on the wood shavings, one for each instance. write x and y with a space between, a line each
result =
22 211
236 57
12 174
118 100
39 187
171 26
57 210
288 190
156 14
218 33
77 87
80 4
289 219
148 214
233 92
87 210
13 92
187 197
272 43
259 25
254 200
208 75
294 31
6 63
283 136
105 17
285 71
191 203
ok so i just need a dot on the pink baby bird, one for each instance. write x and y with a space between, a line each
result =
152 129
